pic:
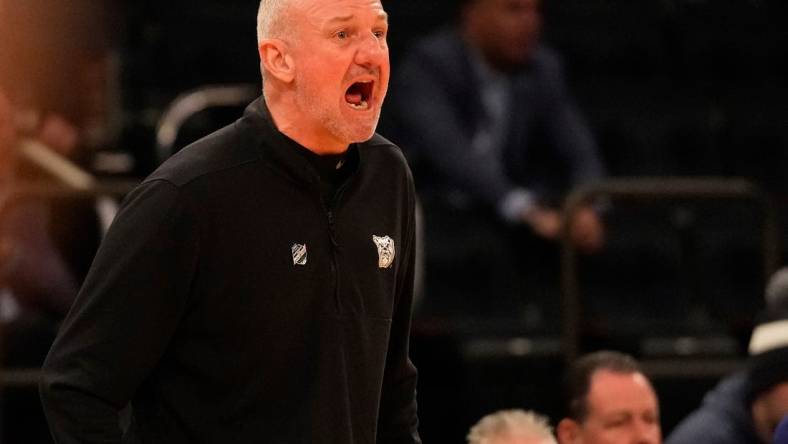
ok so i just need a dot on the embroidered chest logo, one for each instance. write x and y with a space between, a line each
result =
299 254
386 250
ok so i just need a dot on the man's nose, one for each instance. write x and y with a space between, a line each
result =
372 51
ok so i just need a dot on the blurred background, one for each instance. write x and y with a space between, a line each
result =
686 100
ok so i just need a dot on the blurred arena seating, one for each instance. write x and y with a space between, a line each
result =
672 88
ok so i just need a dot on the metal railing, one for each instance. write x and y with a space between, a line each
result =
652 190
192 102
636 189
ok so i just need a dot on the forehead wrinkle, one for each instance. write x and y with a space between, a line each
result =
382 15
344 18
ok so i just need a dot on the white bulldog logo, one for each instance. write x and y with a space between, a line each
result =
386 251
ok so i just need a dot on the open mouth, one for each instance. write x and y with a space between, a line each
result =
359 94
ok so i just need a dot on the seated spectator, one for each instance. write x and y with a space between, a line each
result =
36 288
746 406
57 81
495 141
512 427
55 60
56 67
37 274
610 401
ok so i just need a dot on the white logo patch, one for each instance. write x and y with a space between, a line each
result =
299 254
386 250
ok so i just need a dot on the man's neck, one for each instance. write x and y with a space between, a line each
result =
288 120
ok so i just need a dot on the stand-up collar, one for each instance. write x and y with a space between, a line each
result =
280 149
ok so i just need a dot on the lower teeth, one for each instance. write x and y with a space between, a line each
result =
362 105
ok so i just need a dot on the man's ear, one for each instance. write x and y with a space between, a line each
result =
568 431
276 61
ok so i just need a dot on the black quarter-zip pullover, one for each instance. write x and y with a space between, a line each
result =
230 304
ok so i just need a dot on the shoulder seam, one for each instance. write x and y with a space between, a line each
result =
200 175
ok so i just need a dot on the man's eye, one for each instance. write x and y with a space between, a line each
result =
615 423
342 35
380 34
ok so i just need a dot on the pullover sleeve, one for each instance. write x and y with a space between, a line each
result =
398 422
123 318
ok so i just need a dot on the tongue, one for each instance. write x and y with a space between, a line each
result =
353 98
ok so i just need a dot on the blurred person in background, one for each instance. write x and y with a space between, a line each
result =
483 111
57 66
56 70
609 401
56 83
37 286
55 88
512 427
746 406
34 274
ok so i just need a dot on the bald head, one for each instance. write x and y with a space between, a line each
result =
512 427
271 21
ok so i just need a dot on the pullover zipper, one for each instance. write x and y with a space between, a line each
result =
329 210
